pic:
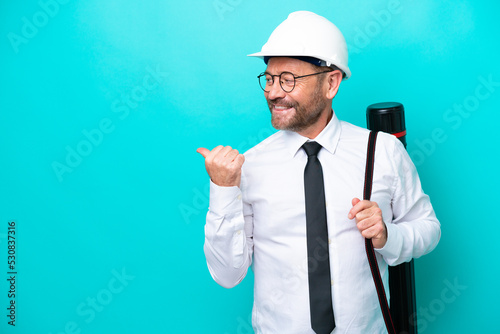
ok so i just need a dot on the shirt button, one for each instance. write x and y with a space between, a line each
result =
239 232
239 197
329 241
331 282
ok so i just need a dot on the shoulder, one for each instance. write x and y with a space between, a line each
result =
353 136
273 143
353 132
267 155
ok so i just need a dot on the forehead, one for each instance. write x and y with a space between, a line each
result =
276 65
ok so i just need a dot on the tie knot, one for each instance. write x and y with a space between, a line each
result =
311 148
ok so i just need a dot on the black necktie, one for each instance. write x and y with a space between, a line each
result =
320 293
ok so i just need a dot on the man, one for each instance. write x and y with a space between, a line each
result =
259 211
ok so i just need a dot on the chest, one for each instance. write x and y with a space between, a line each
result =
275 192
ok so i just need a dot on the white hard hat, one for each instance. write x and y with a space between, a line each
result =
306 34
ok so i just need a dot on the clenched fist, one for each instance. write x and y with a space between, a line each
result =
223 165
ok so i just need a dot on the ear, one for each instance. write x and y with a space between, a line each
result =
333 80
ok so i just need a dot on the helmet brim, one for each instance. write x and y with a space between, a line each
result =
261 55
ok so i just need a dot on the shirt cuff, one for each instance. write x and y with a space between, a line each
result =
392 248
225 200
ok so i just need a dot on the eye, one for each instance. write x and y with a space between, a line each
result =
287 79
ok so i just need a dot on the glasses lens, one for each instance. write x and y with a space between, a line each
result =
287 81
265 81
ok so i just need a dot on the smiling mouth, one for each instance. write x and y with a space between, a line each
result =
280 109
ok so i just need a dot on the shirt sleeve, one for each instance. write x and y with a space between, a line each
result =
228 235
415 230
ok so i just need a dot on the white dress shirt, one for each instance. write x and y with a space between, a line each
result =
264 220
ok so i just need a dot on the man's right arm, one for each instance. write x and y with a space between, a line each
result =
228 236
228 230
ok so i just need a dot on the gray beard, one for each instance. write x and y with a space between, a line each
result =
303 118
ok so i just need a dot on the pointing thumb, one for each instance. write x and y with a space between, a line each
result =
203 151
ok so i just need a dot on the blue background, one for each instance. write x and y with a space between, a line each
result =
100 174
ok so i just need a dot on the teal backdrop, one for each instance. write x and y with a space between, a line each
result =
104 103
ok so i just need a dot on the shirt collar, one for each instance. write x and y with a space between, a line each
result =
328 138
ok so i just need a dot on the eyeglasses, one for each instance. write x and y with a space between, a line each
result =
286 79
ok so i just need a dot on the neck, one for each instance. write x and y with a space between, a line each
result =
314 130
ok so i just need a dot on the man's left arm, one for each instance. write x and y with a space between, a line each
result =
414 230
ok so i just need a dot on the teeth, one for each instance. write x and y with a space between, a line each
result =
280 107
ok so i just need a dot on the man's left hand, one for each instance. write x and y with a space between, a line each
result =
369 221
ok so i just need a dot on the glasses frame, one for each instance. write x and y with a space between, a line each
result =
294 79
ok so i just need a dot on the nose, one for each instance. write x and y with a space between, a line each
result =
275 90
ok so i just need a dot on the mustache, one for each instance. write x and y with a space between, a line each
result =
282 102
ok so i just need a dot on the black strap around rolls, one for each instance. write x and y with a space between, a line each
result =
370 252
